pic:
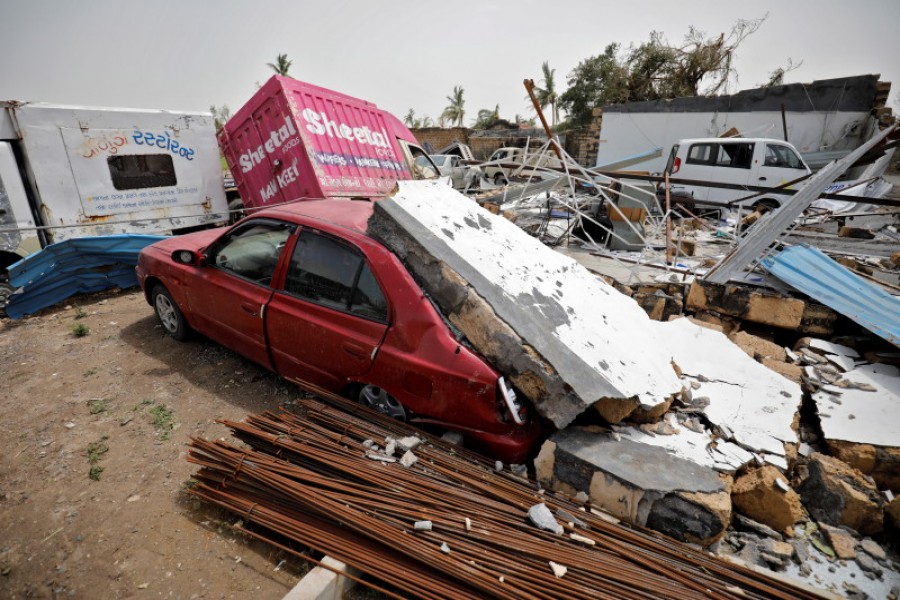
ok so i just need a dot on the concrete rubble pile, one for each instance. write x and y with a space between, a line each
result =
690 426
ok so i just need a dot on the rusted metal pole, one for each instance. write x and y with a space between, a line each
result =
529 86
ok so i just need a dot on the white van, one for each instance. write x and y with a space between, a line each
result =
740 161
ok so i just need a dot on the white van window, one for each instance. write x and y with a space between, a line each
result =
782 156
700 154
738 156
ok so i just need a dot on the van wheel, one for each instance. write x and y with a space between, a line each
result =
379 400
766 205
235 211
6 290
169 314
499 179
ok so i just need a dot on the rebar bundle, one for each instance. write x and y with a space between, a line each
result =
319 477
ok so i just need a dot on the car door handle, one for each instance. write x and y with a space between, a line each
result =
762 178
354 350
250 309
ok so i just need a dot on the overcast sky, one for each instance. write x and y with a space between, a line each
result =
190 54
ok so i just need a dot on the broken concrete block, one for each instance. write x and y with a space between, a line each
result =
748 399
748 524
880 463
867 563
614 410
422 525
558 333
757 347
542 518
772 309
873 549
638 483
786 370
756 494
836 494
408 459
843 544
863 429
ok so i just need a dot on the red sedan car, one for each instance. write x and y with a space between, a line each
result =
303 291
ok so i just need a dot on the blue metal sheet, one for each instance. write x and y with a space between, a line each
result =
74 266
810 271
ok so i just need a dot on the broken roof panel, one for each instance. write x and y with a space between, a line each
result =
592 341
745 398
865 413
818 276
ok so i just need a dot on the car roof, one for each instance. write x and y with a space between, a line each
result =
349 214
732 139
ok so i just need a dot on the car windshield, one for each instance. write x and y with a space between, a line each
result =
439 159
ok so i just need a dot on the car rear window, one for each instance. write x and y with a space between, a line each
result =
330 273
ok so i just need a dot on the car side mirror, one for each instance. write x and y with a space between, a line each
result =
189 257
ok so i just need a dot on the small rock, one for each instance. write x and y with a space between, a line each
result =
133 498
408 459
6 571
380 457
409 443
390 447
422 526
468 524
843 543
542 518
567 516
873 549
70 425
782 485
498 466
867 563
748 524
558 570
805 570
581 497
520 470
453 437
582 539
445 548
776 562
895 593
801 551
368 443
783 550
143 586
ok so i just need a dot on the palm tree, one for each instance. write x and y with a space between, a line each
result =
486 118
455 111
281 66
547 94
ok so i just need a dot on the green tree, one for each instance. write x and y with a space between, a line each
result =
656 69
455 111
596 81
486 117
281 66
546 94
220 114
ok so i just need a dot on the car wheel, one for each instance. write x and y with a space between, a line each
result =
499 179
6 291
378 399
169 314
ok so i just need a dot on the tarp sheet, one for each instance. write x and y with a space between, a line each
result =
81 265
810 271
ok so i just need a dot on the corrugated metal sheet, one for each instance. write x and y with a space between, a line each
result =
816 275
74 266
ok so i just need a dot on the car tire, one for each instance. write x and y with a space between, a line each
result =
168 313
379 400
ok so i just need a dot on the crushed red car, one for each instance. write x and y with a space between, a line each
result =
303 291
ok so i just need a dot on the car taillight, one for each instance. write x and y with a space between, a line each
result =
510 407
676 165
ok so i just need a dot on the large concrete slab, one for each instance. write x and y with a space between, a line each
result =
563 336
752 405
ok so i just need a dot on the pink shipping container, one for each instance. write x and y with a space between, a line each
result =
295 141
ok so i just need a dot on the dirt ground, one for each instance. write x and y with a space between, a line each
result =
120 403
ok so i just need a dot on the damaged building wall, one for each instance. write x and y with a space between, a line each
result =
561 335
832 114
